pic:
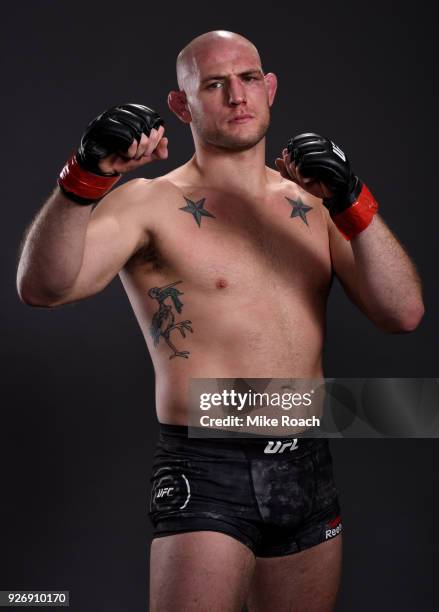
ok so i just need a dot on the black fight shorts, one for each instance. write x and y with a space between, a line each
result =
277 497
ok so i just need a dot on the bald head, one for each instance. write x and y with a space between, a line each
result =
223 93
202 46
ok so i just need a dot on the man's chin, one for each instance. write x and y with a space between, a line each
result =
236 146
241 143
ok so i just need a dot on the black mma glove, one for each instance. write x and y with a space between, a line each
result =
113 131
351 205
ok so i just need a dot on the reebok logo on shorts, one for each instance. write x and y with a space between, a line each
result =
333 528
280 447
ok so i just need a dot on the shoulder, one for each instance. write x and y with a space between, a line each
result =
141 187
138 192
294 191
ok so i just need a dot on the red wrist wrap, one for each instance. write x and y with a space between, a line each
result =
357 217
84 184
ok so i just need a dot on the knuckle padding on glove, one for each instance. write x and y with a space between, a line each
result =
310 147
115 130
322 167
109 136
314 158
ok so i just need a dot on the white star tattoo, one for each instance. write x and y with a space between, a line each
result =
197 210
299 209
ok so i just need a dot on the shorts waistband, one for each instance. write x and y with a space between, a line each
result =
252 445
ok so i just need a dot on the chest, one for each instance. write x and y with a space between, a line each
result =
209 238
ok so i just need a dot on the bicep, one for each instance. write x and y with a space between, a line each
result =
115 232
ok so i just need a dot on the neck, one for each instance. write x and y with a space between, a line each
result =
243 171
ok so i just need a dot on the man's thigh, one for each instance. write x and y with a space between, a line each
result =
198 572
307 581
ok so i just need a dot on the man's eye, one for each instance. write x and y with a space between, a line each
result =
214 85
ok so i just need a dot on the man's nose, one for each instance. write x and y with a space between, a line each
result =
236 92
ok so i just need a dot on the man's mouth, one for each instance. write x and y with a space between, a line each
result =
241 118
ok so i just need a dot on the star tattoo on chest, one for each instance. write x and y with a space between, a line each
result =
299 209
197 210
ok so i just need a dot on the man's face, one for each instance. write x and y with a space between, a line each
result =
228 96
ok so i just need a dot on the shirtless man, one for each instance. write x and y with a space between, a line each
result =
201 252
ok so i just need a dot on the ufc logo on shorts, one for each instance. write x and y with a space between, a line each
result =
165 491
338 151
280 447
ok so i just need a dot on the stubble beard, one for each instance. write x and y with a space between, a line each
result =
228 141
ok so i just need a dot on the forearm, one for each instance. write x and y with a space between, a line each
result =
388 283
53 250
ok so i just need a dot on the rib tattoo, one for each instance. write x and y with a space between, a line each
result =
163 321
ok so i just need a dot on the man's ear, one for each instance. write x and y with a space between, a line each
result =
271 84
177 102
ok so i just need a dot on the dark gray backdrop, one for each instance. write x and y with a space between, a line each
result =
77 421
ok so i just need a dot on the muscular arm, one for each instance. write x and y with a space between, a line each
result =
378 275
71 252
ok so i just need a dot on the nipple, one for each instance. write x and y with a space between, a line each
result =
221 283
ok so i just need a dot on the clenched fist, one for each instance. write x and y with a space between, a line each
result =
121 139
